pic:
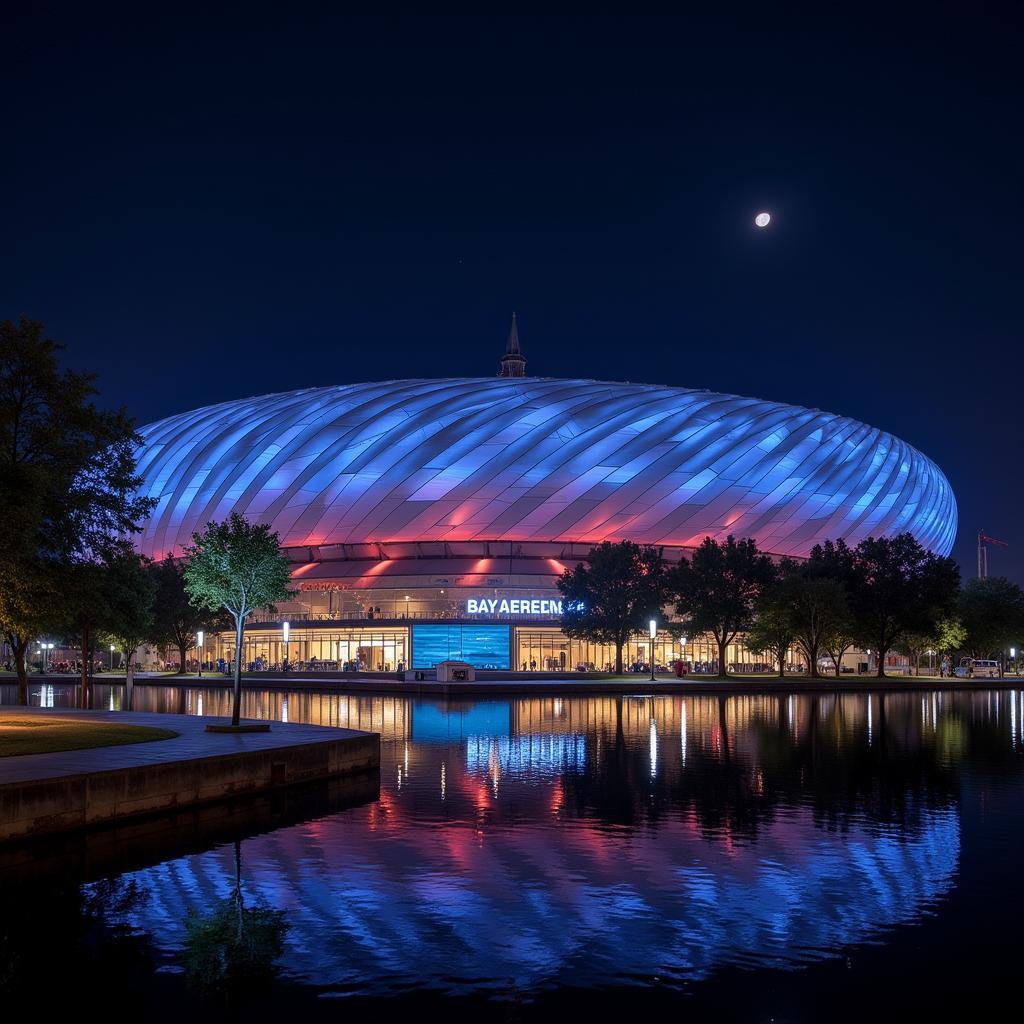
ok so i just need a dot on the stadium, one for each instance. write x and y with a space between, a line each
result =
430 519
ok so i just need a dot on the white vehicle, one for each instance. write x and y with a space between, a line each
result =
977 668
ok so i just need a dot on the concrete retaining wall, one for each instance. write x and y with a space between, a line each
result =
39 806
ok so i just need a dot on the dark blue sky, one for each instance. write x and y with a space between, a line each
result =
204 206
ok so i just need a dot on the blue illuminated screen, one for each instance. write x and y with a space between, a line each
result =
480 646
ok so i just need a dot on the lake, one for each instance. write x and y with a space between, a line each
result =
795 857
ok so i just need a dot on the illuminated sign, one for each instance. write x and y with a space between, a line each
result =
513 606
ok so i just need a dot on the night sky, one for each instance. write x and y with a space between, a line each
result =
213 205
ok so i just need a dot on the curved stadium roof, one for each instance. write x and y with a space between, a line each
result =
536 459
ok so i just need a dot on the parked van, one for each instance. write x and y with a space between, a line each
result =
977 668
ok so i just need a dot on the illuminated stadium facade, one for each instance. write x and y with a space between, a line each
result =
429 519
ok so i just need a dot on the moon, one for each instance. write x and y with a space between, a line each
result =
762 220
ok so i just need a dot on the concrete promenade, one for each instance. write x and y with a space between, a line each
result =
543 684
45 793
549 684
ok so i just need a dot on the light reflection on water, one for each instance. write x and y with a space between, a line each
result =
520 844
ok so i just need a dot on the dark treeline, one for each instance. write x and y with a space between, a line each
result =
885 595
68 503
69 507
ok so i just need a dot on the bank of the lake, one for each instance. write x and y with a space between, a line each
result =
82 788
551 684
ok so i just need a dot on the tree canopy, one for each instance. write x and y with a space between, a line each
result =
67 482
613 595
772 631
176 620
716 590
237 567
992 613
129 591
898 587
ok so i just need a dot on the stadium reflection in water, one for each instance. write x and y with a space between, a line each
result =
522 844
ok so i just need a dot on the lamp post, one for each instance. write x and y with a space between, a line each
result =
286 628
49 648
199 644
111 657
654 634
1013 659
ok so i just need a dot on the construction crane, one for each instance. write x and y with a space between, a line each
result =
983 541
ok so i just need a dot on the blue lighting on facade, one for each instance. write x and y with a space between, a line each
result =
536 459
479 645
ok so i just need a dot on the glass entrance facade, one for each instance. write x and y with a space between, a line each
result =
540 649
360 649
396 646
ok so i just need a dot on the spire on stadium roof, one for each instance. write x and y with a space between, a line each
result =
512 362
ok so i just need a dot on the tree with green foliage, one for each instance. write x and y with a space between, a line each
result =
716 590
819 611
948 635
129 591
30 603
84 613
772 631
840 637
992 613
68 486
613 594
817 597
176 620
897 587
237 568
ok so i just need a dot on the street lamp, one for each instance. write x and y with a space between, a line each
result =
111 657
199 645
654 635
286 628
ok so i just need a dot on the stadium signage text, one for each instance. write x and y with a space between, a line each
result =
513 606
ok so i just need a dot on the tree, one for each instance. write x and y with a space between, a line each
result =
816 594
30 609
236 567
67 478
130 589
838 639
613 595
896 588
717 588
84 612
992 612
948 635
176 620
772 631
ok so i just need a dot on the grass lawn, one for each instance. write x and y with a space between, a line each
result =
28 734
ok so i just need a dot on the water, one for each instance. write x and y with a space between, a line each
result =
795 857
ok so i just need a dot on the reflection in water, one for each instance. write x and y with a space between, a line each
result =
527 843
231 949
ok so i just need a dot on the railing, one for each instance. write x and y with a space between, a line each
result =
299 620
